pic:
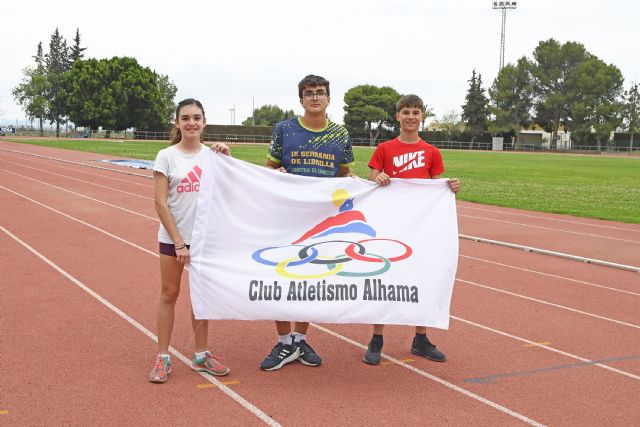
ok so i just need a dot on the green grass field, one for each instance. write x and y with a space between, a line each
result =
582 185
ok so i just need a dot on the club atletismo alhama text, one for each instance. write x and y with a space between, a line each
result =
372 290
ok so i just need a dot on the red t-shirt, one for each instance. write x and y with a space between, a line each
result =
402 160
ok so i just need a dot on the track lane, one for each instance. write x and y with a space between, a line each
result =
87 358
616 251
105 284
366 338
555 221
254 365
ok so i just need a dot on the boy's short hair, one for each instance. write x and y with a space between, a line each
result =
312 81
409 101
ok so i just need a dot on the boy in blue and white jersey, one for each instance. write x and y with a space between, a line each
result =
309 145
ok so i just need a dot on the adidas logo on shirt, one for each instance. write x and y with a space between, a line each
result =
408 161
191 184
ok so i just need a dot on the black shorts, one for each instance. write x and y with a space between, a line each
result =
168 249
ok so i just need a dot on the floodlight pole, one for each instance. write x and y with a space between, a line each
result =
503 6
504 22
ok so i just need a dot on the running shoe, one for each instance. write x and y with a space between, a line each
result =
280 355
210 365
308 356
161 370
421 346
374 351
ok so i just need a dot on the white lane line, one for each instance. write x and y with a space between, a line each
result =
550 229
82 195
232 394
75 163
458 279
555 276
548 348
76 179
551 253
360 345
563 307
461 236
76 170
156 255
98 229
461 206
439 380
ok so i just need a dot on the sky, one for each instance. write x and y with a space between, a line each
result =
236 54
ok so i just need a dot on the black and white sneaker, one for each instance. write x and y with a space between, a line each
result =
308 356
280 356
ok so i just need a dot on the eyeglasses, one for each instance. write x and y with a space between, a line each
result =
310 95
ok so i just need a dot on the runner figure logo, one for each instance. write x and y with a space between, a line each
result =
300 260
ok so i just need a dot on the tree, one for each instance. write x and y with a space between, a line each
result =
566 85
597 109
368 109
475 111
511 98
268 115
631 112
166 104
75 51
428 112
553 72
118 94
57 63
31 94
450 122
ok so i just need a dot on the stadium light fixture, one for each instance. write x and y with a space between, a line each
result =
503 6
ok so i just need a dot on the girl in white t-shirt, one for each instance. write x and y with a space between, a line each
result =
177 172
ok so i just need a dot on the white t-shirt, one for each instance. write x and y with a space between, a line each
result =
184 172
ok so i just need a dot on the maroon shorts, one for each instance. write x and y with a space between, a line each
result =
168 249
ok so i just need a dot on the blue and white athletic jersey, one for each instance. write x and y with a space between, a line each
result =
302 151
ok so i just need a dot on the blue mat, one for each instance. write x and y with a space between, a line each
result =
138 164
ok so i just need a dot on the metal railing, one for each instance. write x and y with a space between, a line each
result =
358 142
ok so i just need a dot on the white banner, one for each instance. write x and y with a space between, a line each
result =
273 246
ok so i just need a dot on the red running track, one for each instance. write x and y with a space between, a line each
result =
534 339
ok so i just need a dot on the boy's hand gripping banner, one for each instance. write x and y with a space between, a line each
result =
275 246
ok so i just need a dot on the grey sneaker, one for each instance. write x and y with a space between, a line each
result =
280 355
374 351
423 347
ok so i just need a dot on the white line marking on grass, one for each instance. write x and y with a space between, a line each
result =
79 180
439 380
82 195
76 163
232 394
550 229
563 307
582 282
85 172
546 347
541 217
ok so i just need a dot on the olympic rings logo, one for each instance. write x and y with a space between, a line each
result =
353 251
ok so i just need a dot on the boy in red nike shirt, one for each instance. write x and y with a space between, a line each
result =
407 156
